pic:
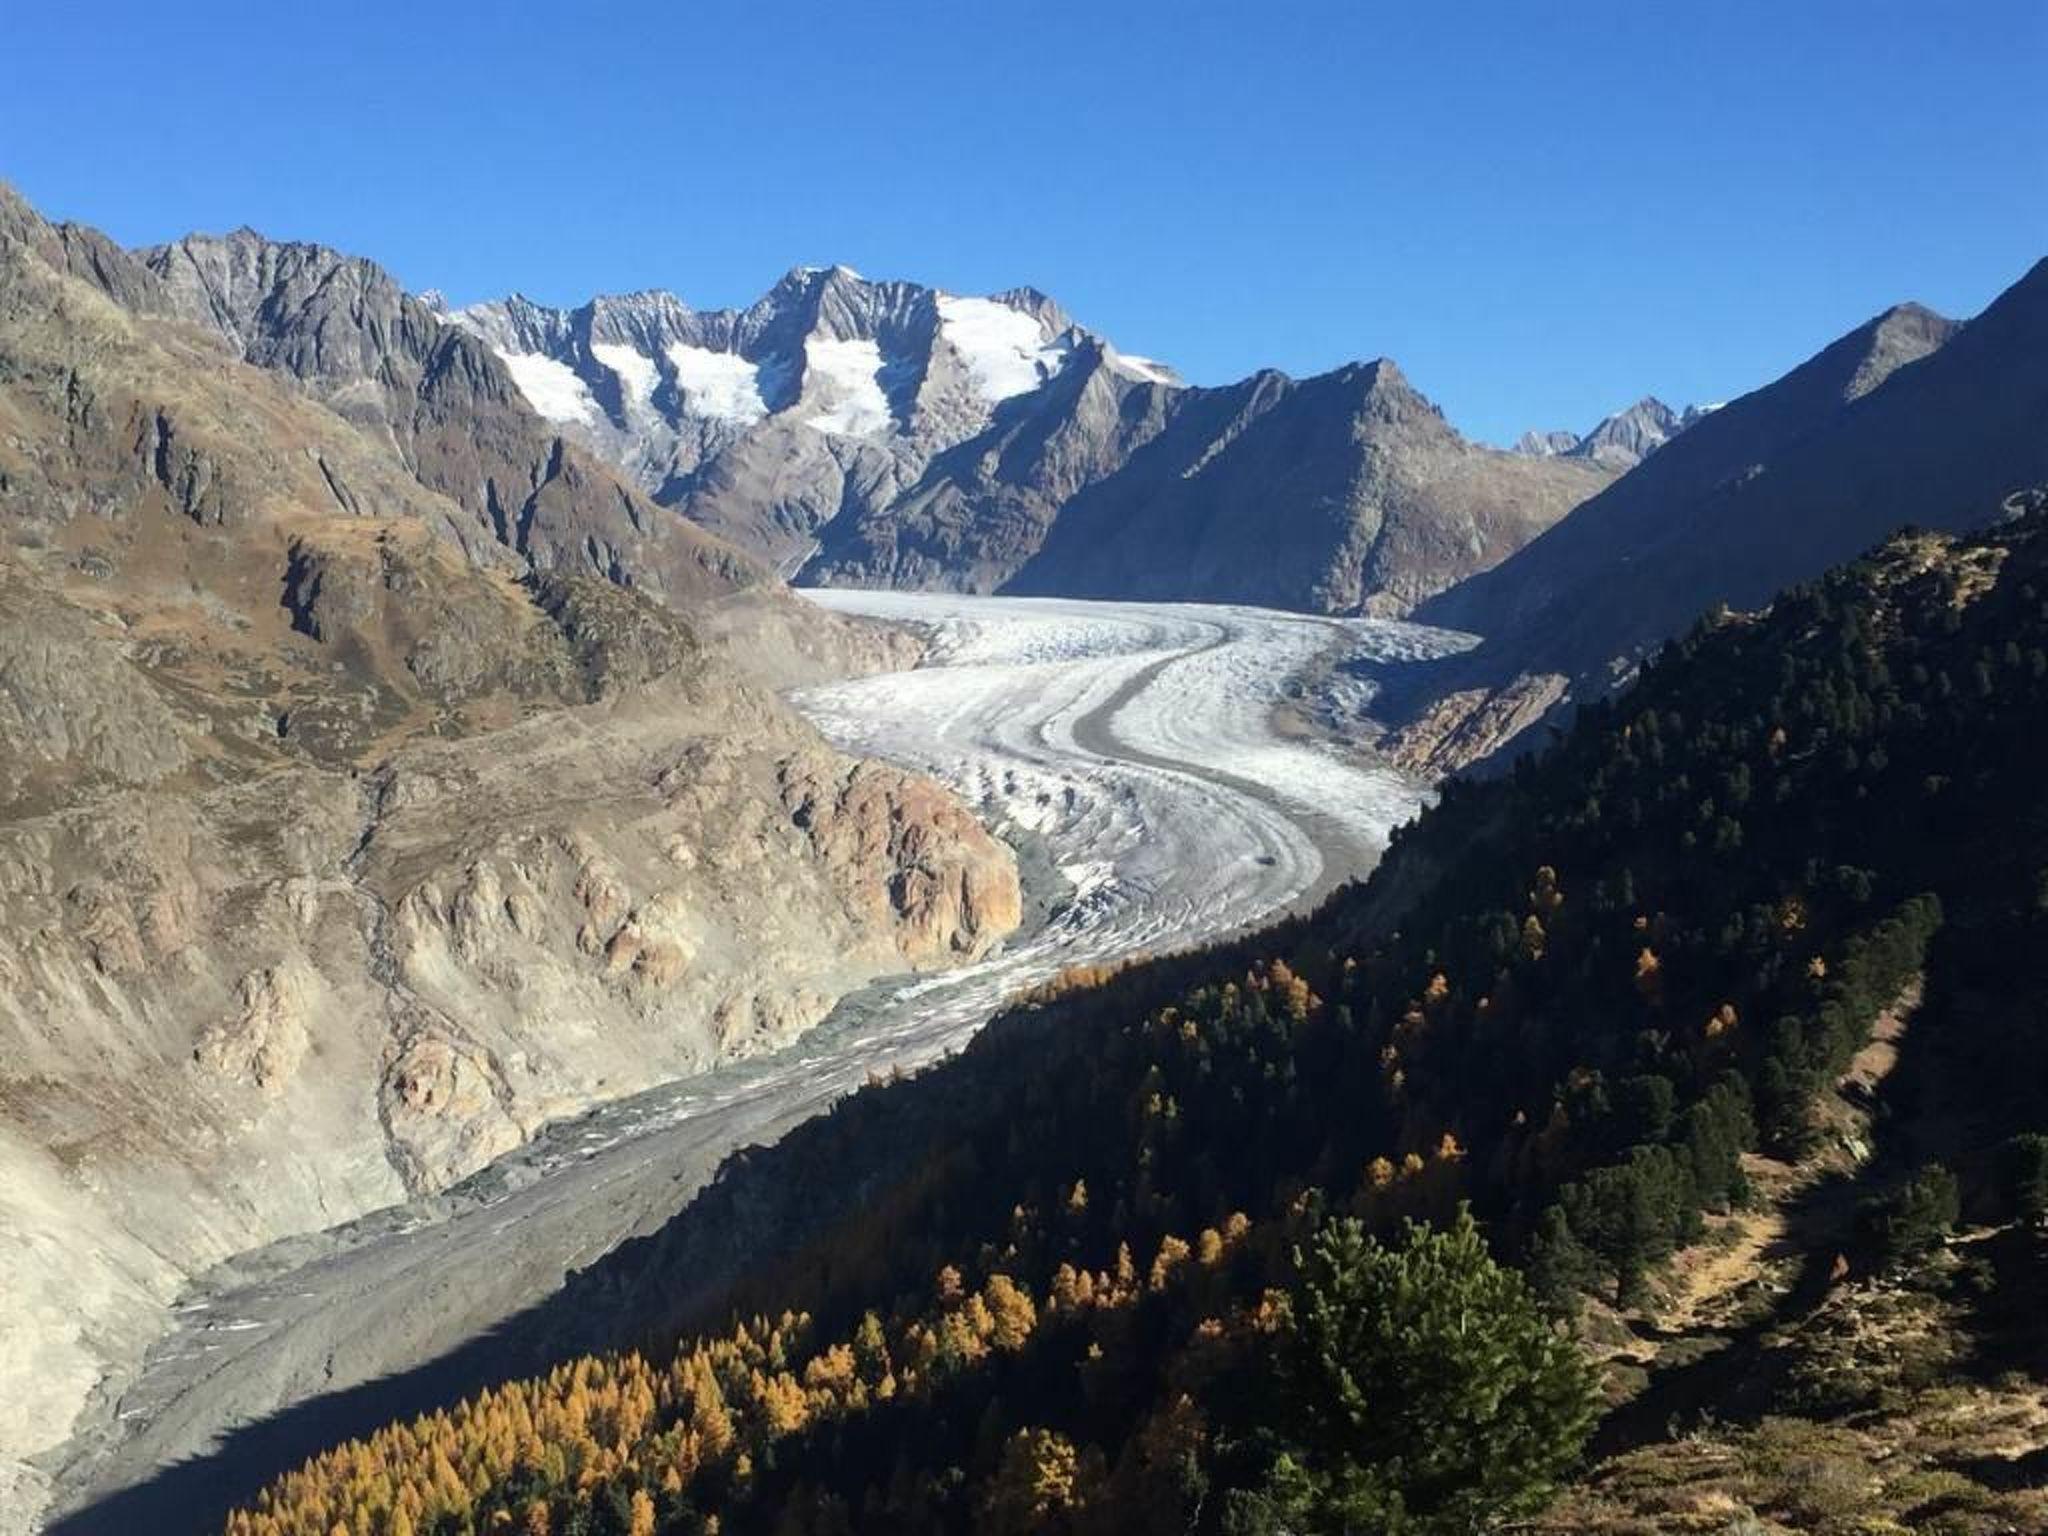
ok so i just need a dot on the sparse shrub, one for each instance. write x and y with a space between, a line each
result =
1905 1222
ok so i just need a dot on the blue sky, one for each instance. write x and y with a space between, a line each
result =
1542 211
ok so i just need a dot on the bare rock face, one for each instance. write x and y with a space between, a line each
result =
262 1045
1345 493
652 920
444 402
445 1108
1468 726
904 846
344 842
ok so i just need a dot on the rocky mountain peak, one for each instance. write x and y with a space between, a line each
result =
1041 306
1620 441
1386 383
1902 334
80 252
1629 436
641 305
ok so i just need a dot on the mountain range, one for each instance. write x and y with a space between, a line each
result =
390 692
886 434
852 432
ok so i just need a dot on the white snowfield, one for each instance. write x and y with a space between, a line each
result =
1138 741
848 376
552 388
635 369
1005 349
1148 369
721 385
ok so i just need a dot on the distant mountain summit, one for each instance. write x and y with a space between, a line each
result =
856 432
1620 441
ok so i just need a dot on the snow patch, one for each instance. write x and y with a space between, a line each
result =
635 369
850 372
721 385
551 388
1006 350
1142 368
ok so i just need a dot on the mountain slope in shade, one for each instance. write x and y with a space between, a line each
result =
1910 417
1346 492
886 434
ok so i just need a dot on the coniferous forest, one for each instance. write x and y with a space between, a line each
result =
1336 1229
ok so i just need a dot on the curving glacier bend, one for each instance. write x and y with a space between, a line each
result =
1158 754
1140 741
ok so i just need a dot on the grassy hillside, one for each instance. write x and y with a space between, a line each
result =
1718 1018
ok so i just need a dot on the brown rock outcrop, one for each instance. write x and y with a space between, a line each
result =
901 844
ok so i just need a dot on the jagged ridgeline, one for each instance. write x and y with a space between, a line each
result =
1099 1273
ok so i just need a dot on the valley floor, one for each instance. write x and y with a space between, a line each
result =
1137 746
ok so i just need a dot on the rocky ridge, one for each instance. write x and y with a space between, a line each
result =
826 397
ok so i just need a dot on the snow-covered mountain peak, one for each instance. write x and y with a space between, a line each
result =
830 390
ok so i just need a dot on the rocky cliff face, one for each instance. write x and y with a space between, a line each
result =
344 840
886 434
444 402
